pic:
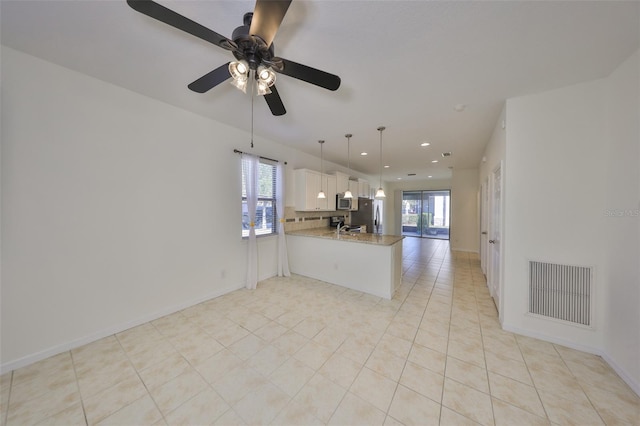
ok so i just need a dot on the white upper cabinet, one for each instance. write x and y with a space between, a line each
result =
331 191
363 189
342 182
353 187
308 184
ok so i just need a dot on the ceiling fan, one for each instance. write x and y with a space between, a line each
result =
251 45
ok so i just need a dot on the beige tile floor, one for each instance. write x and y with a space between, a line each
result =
297 351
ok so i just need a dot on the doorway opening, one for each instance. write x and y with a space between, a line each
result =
426 214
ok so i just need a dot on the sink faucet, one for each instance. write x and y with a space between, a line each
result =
339 229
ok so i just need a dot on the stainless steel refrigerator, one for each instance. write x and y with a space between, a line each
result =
364 215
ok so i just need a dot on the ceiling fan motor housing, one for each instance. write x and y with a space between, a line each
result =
251 48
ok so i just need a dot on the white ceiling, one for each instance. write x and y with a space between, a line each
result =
403 64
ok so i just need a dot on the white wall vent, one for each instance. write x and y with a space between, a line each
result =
561 291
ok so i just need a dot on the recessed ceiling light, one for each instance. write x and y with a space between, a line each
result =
399 178
460 107
386 167
434 161
429 176
425 144
363 153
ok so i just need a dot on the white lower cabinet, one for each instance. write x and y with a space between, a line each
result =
308 184
372 268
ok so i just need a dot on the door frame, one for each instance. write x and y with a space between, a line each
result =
495 252
484 225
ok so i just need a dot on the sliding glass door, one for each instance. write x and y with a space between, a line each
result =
426 214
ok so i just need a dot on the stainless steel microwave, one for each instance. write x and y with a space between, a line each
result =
343 203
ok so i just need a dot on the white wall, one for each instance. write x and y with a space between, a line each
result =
465 235
495 151
554 194
116 208
571 160
622 221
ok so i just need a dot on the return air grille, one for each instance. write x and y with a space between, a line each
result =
560 291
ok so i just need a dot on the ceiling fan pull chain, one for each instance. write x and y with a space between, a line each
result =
252 86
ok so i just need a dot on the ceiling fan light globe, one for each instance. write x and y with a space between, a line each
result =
239 69
263 88
266 75
240 84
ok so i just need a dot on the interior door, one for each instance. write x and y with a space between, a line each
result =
495 222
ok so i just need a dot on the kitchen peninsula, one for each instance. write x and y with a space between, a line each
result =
370 263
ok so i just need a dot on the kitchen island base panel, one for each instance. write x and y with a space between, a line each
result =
370 268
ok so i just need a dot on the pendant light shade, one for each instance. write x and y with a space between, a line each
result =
347 193
321 194
380 192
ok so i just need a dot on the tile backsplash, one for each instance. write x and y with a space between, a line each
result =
295 221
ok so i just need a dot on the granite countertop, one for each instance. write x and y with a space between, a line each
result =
331 234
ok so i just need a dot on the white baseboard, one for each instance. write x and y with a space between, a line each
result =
551 339
464 250
63 347
633 384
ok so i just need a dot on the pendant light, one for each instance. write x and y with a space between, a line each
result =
380 191
347 193
321 194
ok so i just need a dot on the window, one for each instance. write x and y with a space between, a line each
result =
266 215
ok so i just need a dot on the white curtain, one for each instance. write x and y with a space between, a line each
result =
283 259
250 165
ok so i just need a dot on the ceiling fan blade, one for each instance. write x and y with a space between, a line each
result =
168 16
308 74
211 80
275 103
267 17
